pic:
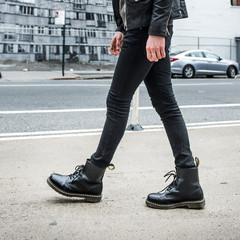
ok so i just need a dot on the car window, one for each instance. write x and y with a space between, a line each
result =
195 54
178 52
211 55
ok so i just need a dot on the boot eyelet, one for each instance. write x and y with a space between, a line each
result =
111 166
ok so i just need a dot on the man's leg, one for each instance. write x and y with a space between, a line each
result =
131 69
185 190
159 86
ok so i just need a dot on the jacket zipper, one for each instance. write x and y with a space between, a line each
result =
125 6
167 33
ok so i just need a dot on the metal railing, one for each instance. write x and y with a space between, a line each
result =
87 45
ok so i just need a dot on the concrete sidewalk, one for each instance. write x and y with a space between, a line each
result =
29 209
21 76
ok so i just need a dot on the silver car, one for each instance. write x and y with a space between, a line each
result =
202 62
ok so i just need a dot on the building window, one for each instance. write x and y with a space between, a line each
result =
41 30
22 48
38 49
26 10
79 16
8 48
104 34
89 16
91 33
10 37
26 29
53 31
235 2
53 49
110 18
104 50
82 50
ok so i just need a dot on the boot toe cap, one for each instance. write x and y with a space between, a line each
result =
154 197
160 199
57 180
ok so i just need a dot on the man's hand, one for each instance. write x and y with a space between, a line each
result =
116 43
155 48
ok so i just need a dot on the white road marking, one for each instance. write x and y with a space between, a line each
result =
104 109
106 85
200 106
55 85
90 132
55 111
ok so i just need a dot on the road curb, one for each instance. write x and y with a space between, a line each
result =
87 77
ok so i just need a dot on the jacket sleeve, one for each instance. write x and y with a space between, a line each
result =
160 16
117 16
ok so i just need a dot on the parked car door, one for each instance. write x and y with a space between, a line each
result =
215 63
198 60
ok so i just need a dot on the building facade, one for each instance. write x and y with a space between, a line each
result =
212 24
28 30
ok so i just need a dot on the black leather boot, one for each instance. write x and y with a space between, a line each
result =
184 191
85 182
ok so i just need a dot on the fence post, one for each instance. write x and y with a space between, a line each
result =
79 34
135 126
230 48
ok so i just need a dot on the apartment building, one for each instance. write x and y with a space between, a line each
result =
28 31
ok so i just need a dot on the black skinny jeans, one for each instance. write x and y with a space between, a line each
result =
132 67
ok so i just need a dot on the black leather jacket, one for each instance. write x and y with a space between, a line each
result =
154 14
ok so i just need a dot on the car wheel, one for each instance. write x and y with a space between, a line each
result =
210 76
188 71
231 72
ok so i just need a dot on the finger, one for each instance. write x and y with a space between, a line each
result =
154 56
121 43
159 54
117 44
113 42
163 53
114 53
112 50
149 55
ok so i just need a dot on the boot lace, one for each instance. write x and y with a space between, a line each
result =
78 169
173 174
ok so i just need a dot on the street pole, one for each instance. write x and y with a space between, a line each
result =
63 48
135 126
29 54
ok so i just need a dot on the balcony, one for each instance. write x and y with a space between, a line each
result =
90 22
81 39
101 24
79 6
26 37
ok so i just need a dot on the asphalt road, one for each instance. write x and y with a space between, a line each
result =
36 108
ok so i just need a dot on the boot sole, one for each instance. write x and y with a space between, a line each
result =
189 204
86 197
